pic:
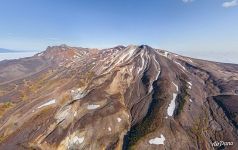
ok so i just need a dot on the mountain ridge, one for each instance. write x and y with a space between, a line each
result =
133 97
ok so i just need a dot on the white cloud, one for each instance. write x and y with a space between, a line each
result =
187 1
229 4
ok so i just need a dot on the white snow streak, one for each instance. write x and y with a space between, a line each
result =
40 54
180 65
118 119
77 140
77 94
127 55
190 85
76 56
171 108
90 107
150 88
190 60
75 114
48 103
131 52
157 75
165 54
142 64
175 86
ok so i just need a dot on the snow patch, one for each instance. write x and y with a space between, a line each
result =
77 94
76 140
48 103
40 54
131 69
76 56
90 107
63 113
158 140
190 100
190 60
171 108
109 129
165 54
150 88
118 119
190 85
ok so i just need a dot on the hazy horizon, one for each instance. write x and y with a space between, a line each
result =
223 57
188 26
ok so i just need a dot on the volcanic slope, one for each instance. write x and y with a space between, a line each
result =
133 97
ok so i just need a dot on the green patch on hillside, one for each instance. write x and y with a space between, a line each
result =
4 107
183 96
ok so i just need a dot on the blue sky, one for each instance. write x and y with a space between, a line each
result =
177 25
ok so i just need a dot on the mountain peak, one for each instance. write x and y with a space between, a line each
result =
64 45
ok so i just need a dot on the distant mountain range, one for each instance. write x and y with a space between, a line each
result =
5 50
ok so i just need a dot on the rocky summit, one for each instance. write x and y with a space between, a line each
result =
134 97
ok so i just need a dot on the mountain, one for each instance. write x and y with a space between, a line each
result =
134 97
3 50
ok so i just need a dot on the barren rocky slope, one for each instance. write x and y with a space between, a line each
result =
134 97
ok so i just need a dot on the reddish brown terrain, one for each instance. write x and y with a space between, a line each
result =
133 97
